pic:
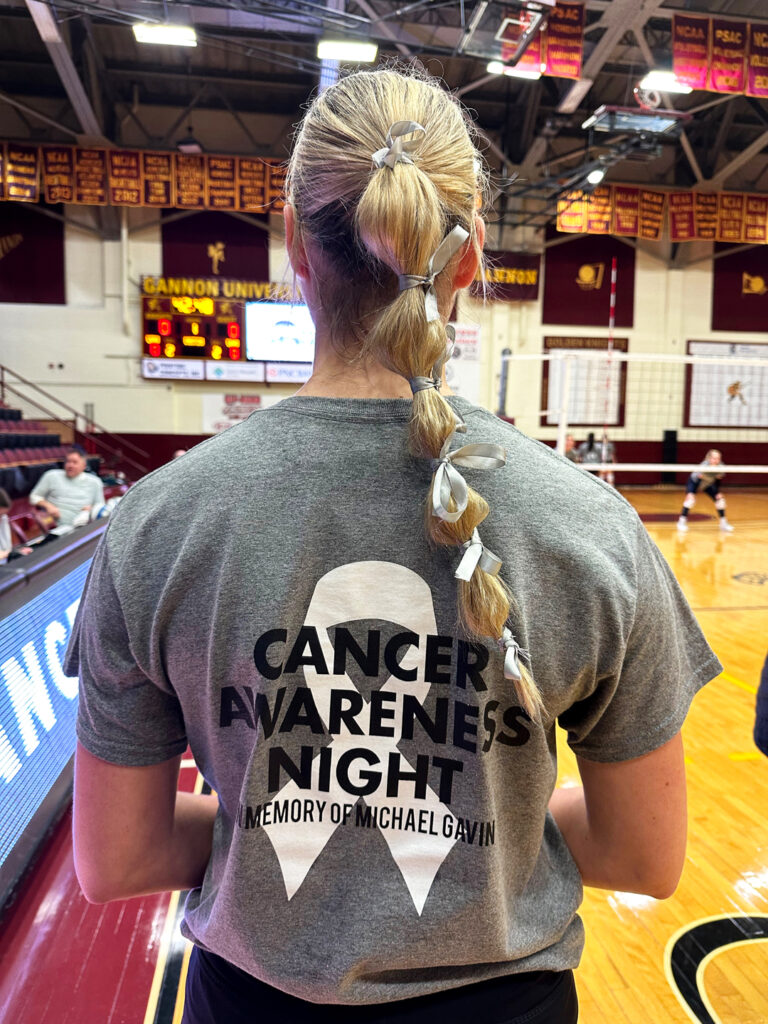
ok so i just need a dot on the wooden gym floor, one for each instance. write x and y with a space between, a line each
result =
711 938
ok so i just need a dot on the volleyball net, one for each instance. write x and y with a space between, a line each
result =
652 417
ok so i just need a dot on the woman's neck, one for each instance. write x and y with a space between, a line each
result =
336 377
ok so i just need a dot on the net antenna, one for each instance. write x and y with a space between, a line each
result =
609 366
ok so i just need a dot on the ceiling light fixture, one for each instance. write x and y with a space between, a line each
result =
189 143
349 51
664 81
596 176
496 67
167 35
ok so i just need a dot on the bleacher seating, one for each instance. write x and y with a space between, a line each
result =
27 450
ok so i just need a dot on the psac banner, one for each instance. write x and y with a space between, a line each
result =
119 177
558 50
720 55
634 211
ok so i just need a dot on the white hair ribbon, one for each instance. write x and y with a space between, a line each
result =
422 383
476 555
449 246
396 150
511 666
449 483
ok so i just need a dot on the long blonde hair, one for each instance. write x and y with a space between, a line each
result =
370 225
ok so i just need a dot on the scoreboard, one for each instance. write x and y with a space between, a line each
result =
192 327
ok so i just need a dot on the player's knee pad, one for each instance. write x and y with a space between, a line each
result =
689 501
720 503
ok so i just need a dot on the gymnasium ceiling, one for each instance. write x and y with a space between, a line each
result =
70 70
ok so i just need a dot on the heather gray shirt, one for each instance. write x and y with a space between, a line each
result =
269 598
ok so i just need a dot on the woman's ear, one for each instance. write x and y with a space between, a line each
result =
469 264
297 255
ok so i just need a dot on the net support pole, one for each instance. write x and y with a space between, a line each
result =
609 364
562 419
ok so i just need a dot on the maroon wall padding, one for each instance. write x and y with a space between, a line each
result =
740 290
162 446
743 453
186 241
31 255
568 302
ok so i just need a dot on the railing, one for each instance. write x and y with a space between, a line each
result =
109 442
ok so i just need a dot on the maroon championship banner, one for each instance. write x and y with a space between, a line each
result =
157 170
682 225
124 172
139 178
740 290
728 53
213 244
275 196
22 173
599 211
58 174
509 277
626 211
252 183
690 50
564 48
91 177
757 61
190 181
651 214
705 215
31 256
577 281
222 183
630 211
730 216
572 212
756 219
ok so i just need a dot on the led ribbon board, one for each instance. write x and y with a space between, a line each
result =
38 703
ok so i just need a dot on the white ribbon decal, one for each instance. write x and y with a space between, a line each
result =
367 590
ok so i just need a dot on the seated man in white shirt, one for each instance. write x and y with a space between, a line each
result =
64 493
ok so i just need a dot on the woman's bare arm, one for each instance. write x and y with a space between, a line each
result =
626 826
134 833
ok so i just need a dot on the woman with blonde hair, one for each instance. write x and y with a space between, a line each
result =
403 595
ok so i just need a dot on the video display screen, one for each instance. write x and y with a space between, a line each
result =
279 332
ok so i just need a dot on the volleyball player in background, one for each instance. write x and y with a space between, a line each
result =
591 452
708 477
373 710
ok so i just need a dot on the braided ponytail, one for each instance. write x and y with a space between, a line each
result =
376 225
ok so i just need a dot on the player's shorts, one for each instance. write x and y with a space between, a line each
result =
694 483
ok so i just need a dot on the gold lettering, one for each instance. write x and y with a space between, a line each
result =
729 36
690 31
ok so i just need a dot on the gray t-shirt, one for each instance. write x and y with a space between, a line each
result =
69 494
383 830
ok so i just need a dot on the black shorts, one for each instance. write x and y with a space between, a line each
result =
693 486
219 993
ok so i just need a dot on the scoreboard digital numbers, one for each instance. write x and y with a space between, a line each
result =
192 327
